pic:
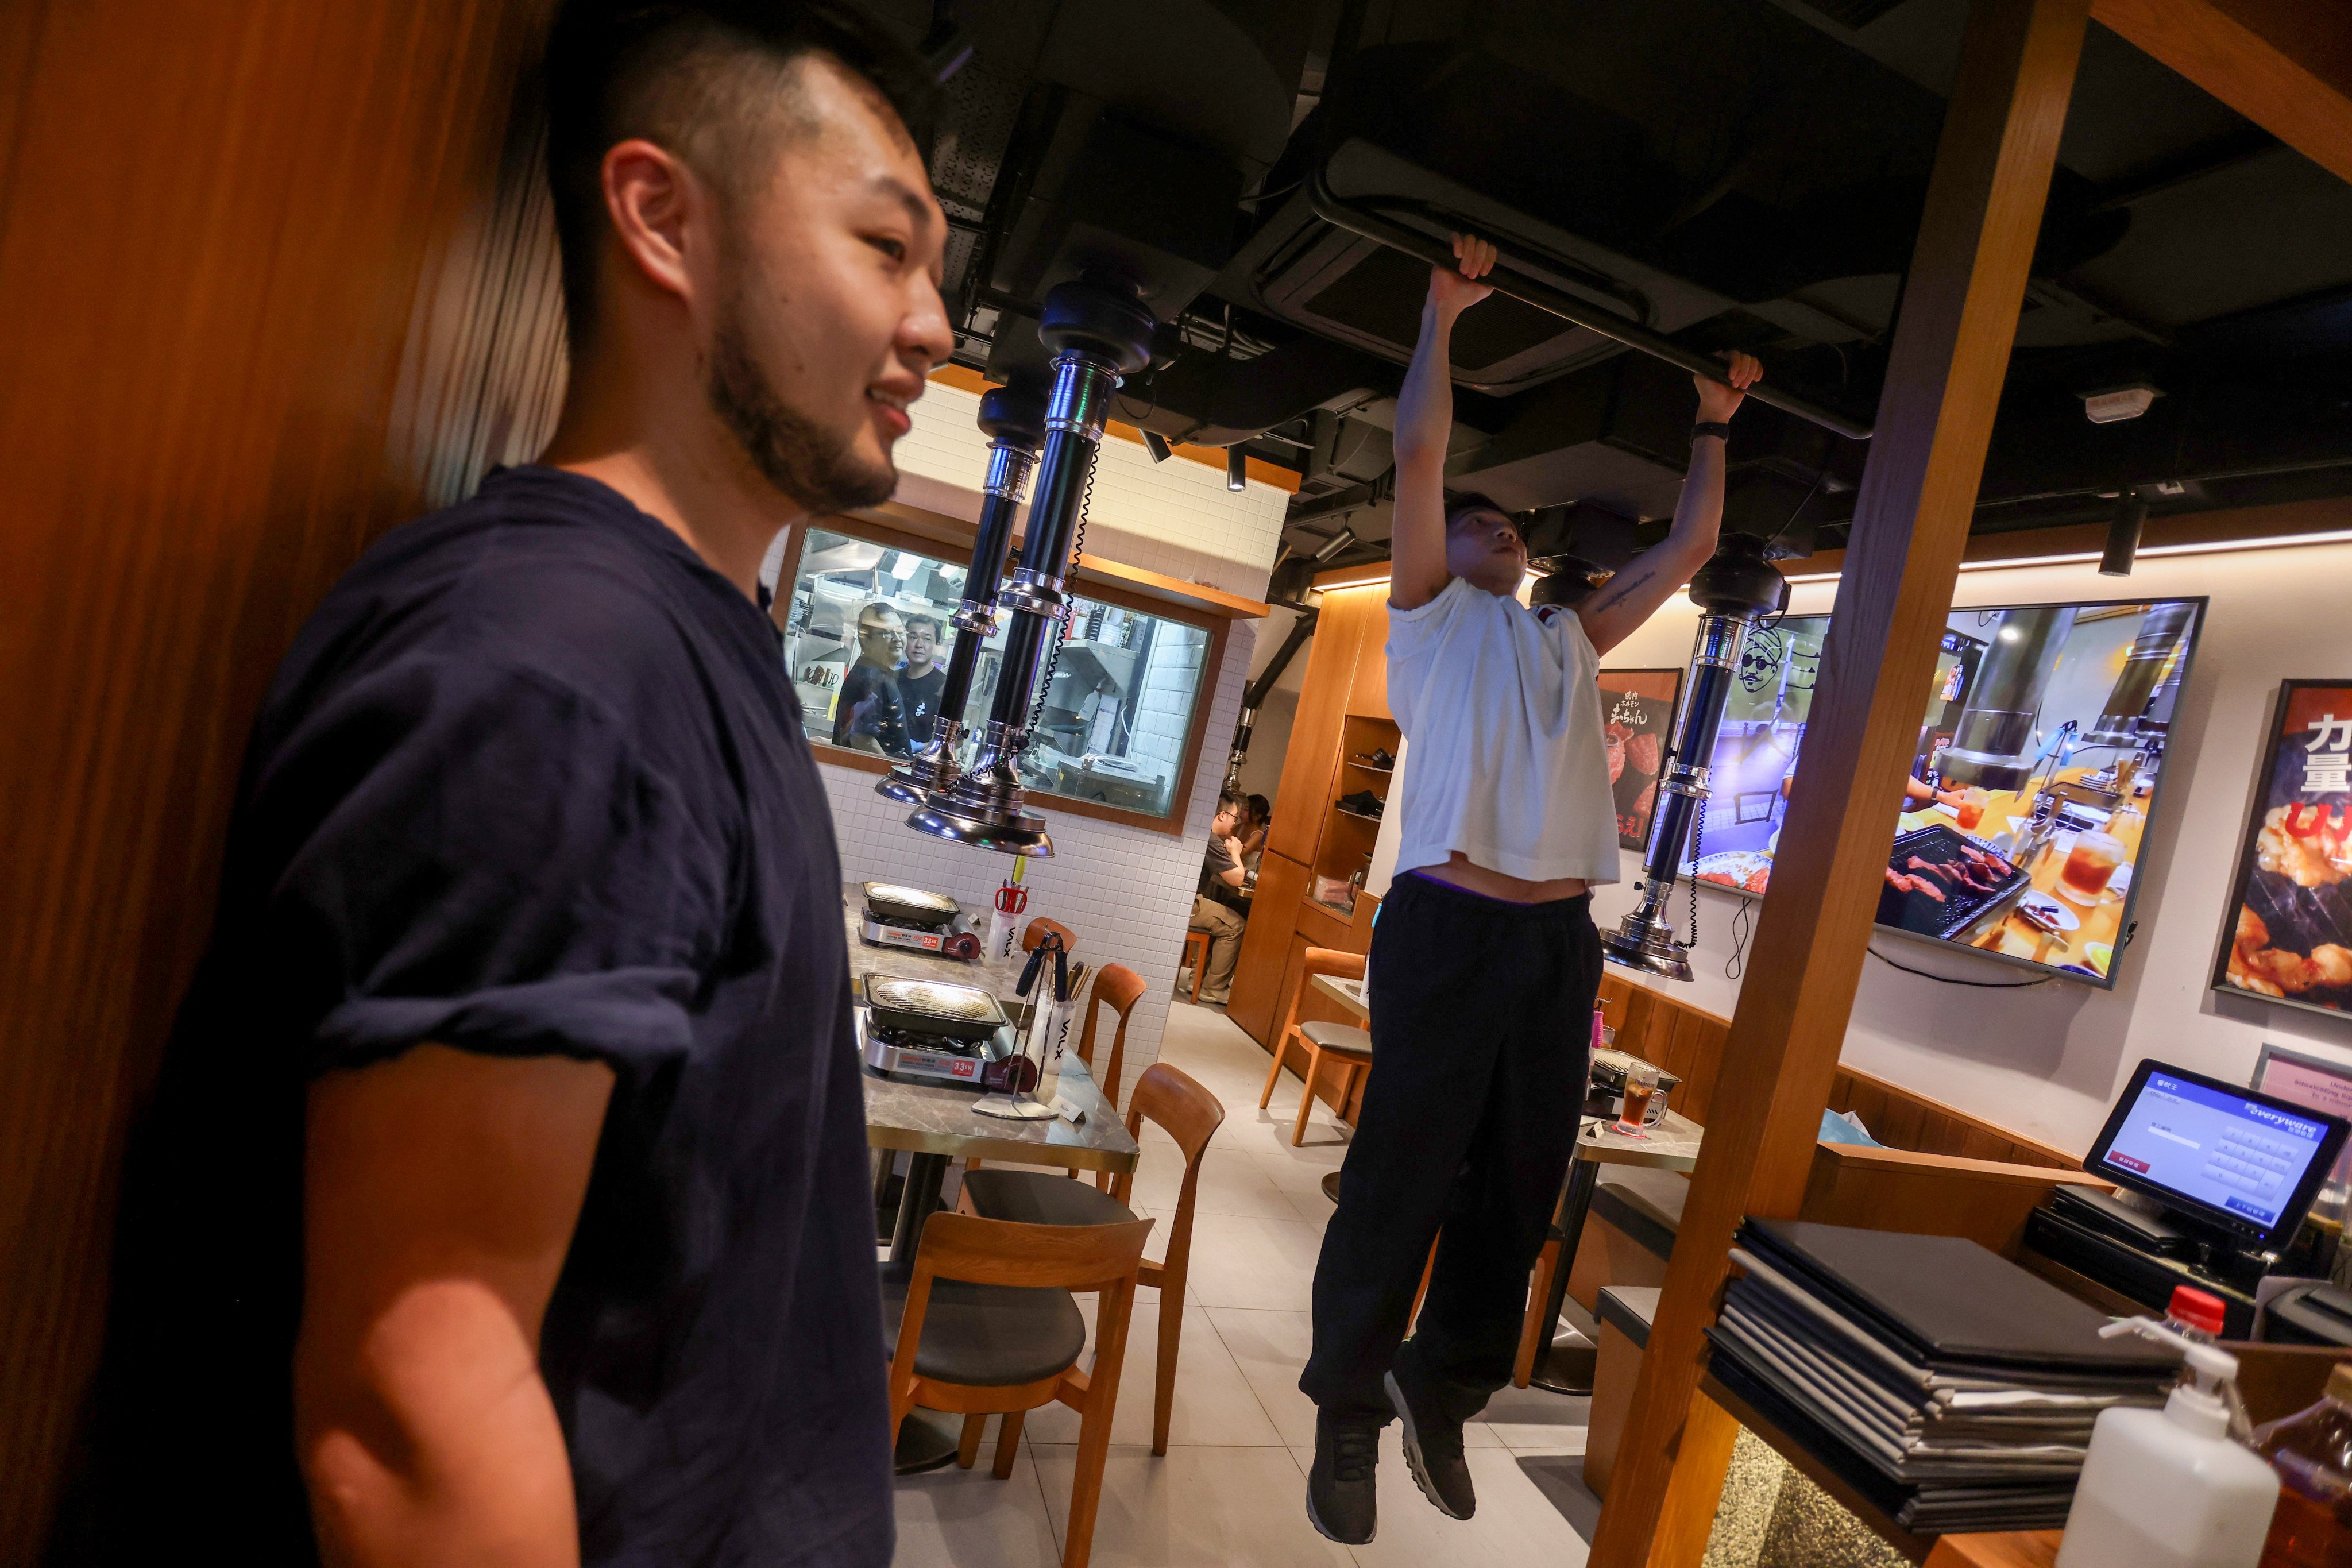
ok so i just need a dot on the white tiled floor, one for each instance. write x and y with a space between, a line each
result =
1231 1489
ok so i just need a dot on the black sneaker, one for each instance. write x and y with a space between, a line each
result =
1377 758
1341 1502
1432 1441
1363 803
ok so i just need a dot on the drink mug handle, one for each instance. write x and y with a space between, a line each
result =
1655 1111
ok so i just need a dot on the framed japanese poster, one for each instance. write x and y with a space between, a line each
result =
1637 715
2317 1084
2290 936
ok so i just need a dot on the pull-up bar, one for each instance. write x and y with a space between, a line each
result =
1504 278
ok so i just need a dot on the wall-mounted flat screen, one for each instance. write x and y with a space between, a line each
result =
2037 766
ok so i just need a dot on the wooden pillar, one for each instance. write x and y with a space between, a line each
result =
1911 521
260 282
2286 65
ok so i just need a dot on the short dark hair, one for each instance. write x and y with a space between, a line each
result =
1459 502
1228 801
876 607
669 70
930 621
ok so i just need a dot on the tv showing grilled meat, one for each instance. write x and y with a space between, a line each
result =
2040 750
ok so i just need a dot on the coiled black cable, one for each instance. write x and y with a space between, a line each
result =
1062 622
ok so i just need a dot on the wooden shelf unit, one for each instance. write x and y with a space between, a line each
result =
1343 713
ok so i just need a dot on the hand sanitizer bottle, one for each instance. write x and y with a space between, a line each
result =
2168 1488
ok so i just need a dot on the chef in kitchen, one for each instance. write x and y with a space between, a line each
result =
870 714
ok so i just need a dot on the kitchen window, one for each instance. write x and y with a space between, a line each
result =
867 634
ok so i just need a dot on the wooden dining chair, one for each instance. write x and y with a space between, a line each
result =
986 1326
1034 932
1120 988
1191 1115
1342 1043
1195 958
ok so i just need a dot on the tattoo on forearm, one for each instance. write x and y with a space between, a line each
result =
1620 587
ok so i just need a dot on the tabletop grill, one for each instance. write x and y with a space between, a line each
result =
951 1034
906 917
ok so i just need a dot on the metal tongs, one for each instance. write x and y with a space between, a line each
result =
1068 978
1049 941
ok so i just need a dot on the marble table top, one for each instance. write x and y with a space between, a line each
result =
1346 993
934 1120
1670 1146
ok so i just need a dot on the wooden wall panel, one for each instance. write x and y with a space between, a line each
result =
1352 625
1931 1193
1258 973
263 293
1938 1128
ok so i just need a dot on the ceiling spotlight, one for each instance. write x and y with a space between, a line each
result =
1157 445
2123 535
1237 469
2120 403
1333 545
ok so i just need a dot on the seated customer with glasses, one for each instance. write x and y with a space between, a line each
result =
1218 906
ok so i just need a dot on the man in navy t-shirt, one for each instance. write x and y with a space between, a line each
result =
504 1195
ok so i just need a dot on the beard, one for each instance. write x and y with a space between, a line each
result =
790 451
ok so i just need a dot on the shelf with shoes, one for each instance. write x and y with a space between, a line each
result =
1336 774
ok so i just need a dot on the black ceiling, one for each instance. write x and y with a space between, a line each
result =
1730 173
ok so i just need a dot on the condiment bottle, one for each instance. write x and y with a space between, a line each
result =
2311 1450
2168 1489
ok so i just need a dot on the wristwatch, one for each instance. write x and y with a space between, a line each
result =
1711 427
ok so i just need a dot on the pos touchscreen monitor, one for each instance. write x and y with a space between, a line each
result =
2235 1159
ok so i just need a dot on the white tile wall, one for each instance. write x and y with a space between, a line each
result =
1126 891
1166 717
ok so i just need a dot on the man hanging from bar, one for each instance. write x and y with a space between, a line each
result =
1484 962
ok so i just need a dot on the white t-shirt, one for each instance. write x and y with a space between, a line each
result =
1502 711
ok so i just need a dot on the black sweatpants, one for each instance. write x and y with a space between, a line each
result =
1482 1015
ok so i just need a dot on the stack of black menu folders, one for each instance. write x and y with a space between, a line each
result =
1949 1387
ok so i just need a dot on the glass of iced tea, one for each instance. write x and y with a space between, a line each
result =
1971 809
1644 1105
2090 865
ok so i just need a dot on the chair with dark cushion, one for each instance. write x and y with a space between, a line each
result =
985 1325
1625 1316
1629 1233
1191 1115
1342 1043
1645 1203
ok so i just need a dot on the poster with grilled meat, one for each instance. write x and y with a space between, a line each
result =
1637 709
2290 938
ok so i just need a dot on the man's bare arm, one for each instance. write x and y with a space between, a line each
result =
1647 581
440 1191
1424 424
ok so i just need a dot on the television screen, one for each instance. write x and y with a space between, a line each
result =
2246 1160
2036 768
